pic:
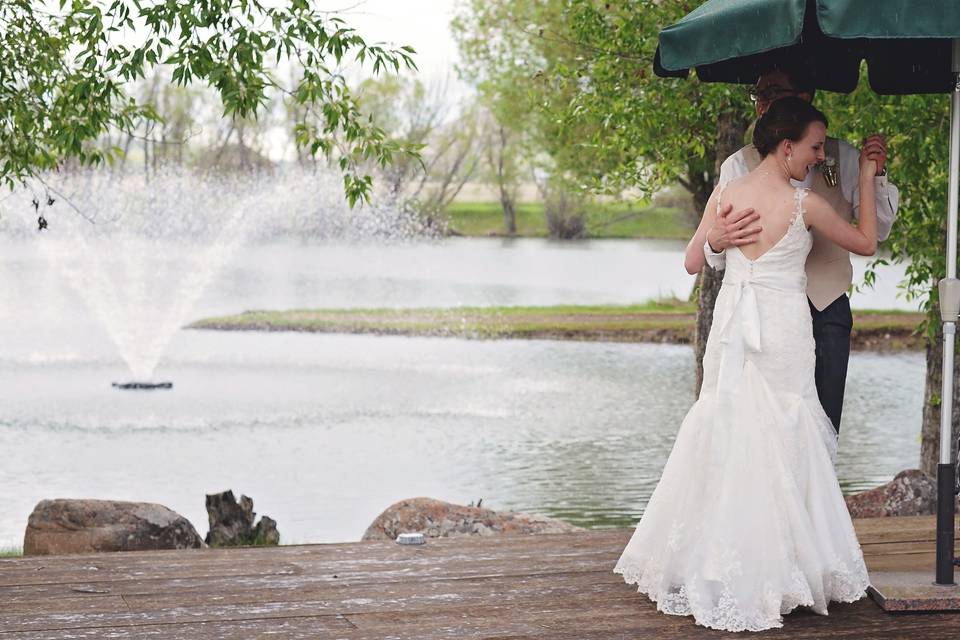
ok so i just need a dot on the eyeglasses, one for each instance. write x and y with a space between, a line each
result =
771 93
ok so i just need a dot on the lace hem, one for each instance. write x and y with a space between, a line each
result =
840 585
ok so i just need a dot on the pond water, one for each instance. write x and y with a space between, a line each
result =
324 431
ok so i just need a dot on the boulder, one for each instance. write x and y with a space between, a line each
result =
232 523
84 526
439 519
910 493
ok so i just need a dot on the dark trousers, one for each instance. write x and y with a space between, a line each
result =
831 331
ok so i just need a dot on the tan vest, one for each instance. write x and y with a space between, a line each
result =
829 271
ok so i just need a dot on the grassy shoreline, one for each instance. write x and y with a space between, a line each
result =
603 220
661 321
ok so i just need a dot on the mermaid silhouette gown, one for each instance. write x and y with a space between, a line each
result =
747 521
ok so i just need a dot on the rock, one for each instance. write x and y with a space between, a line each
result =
910 493
84 526
438 519
231 523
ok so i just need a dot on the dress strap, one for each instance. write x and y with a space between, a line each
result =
720 188
799 194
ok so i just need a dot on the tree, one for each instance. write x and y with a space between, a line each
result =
576 76
421 117
62 75
514 67
503 164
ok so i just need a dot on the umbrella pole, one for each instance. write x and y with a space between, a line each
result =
949 304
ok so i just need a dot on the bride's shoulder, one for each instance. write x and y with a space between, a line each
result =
812 202
733 183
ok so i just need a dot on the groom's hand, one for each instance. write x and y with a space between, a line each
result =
733 229
875 148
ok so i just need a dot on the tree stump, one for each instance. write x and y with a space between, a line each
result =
232 523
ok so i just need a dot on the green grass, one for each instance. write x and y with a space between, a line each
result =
604 220
486 218
649 222
10 552
669 320
662 305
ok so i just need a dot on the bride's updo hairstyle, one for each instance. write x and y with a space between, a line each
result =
786 119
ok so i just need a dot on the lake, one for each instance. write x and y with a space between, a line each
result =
325 431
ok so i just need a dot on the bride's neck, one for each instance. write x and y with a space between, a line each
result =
774 168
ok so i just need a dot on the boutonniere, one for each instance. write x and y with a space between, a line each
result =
828 167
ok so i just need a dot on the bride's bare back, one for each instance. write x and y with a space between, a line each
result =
774 202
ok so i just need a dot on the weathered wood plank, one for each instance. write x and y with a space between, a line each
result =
268 582
620 619
292 629
345 558
878 530
400 596
92 572
895 548
417 567
63 606
379 550
546 591
554 586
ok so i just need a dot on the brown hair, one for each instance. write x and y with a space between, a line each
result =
786 119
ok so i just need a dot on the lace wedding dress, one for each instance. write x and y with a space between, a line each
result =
748 521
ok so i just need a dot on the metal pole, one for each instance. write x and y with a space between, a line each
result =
949 303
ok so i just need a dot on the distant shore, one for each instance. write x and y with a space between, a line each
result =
632 220
664 322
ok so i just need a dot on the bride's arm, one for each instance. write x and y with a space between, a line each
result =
693 259
861 239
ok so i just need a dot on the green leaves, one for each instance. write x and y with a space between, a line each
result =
917 132
576 77
62 75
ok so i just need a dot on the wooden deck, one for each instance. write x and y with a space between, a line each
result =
557 587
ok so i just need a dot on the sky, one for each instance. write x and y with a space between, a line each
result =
422 24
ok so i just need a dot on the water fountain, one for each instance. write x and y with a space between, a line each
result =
140 249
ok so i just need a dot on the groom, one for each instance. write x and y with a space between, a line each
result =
829 271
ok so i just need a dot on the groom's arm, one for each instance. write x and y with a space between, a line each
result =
730 229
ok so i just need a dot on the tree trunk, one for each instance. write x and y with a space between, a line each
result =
509 213
930 432
244 152
731 127
506 201
146 157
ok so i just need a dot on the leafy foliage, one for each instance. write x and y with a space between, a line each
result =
917 130
62 75
577 75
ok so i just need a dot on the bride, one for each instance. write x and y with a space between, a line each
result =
748 522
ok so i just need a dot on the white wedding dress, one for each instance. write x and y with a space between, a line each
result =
748 521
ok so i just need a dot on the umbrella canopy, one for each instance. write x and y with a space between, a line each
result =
907 44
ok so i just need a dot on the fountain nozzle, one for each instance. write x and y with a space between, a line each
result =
142 386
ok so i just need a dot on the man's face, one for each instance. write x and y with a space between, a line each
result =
771 87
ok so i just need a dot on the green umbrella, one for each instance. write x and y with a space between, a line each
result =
907 44
910 47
